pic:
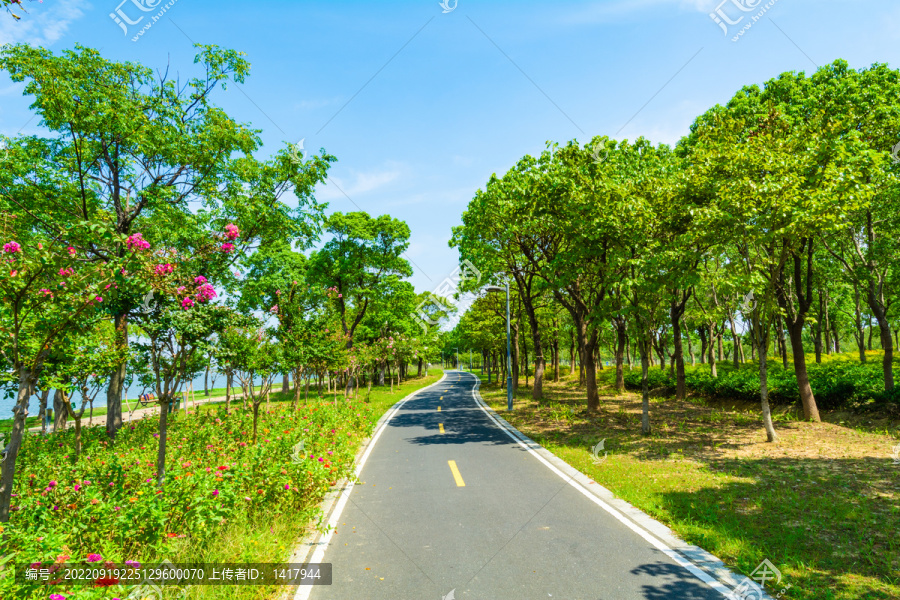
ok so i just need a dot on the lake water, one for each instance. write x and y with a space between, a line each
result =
215 380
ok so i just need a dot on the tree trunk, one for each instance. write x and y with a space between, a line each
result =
590 369
117 381
163 430
42 411
771 436
206 382
738 349
27 381
286 383
687 334
702 333
712 351
620 324
675 312
516 354
795 332
644 348
571 353
60 414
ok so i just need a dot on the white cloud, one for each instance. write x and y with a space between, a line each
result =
360 183
43 24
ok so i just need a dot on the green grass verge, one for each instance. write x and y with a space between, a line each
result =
826 516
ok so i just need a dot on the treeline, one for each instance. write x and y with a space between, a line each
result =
773 224
143 242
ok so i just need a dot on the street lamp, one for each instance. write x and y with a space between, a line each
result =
509 393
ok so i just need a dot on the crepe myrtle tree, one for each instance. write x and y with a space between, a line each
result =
47 291
180 324
260 357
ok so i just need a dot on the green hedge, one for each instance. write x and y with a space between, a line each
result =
836 384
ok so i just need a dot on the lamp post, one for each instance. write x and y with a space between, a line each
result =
509 391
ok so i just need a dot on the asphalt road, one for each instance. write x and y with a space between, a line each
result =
448 502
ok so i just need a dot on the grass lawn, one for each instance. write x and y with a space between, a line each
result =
823 504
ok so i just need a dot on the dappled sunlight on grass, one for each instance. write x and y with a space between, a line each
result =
823 504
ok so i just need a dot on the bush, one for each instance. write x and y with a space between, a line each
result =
836 384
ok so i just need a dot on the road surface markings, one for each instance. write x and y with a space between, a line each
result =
441 427
456 475
439 409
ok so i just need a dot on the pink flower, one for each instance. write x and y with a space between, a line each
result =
200 280
40 246
232 232
98 299
164 269
12 248
94 558
77 487
187 303
133 564
137 242
57 597
287 486
227 248
274 310
205 292
71 251
52 484
215 493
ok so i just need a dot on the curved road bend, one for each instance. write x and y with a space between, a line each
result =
447 501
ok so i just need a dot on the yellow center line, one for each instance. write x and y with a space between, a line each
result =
441 427
439 409
456 475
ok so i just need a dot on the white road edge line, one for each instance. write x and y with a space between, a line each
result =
324 540
675 556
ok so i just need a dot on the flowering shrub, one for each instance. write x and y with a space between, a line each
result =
106 506
12 248
137 242
164 269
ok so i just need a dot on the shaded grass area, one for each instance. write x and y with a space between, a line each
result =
821 505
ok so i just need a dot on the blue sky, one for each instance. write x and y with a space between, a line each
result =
421 106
